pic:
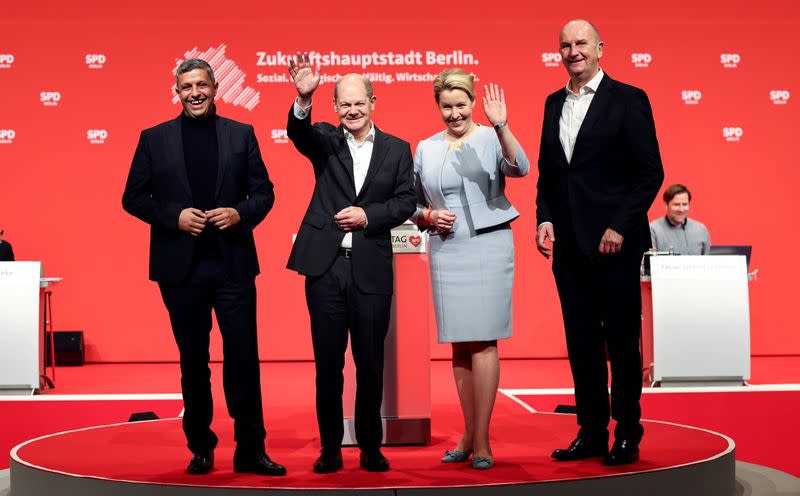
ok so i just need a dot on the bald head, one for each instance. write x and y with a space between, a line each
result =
353 78
582 24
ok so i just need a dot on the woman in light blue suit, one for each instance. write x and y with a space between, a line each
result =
460 180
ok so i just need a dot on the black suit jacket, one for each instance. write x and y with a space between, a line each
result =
6 253
614 175
387 197
158 189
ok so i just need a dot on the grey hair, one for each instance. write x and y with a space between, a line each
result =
367 86
192 64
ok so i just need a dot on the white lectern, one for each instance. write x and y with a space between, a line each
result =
406 409
696 314
20 326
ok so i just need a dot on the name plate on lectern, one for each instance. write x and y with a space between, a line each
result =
406 238
686 268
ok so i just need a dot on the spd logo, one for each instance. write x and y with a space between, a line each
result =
641 59
6 60
691 97
96 136
95 60
279 136
730 60
49 98
779 97
7 136
732 133
551 59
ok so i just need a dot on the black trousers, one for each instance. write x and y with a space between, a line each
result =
601 305
335 306
234 303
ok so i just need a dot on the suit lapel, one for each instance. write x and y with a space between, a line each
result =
343 151
555 117
224 151
379 150
175 150
596 109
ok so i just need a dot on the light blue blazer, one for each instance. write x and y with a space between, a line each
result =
483 170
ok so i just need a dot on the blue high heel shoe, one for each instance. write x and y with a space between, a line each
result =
456 456
482 463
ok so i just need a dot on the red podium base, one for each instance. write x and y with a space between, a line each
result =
150 458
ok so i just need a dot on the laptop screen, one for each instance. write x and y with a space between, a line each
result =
745 250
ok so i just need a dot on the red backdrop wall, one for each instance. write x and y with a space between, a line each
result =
101 72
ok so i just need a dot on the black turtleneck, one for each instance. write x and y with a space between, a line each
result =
201 155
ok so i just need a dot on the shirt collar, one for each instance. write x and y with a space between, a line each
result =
370 135
670 224
590 86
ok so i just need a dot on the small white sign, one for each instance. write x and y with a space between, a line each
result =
406 238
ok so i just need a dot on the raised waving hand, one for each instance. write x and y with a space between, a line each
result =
494 104
304 76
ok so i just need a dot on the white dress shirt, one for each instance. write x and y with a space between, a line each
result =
574 111
360 152
572 114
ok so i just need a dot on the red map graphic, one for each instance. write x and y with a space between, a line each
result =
229 77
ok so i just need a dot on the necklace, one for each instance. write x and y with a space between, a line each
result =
456 141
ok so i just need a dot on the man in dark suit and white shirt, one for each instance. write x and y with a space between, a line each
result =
200 182
363 188
599 171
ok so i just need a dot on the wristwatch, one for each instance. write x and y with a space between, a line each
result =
500 126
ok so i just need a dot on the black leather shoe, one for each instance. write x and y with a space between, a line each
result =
330 460
257 463
580 449
623 452
374 461
201 464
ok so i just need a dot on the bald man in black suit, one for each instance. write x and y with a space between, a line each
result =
599 172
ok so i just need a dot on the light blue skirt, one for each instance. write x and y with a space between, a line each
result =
472 277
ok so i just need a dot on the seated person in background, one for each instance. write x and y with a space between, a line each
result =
6 253
676 232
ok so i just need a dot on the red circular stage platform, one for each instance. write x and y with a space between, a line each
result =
150 458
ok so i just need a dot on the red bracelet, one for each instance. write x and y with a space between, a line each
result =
428 217
421 218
